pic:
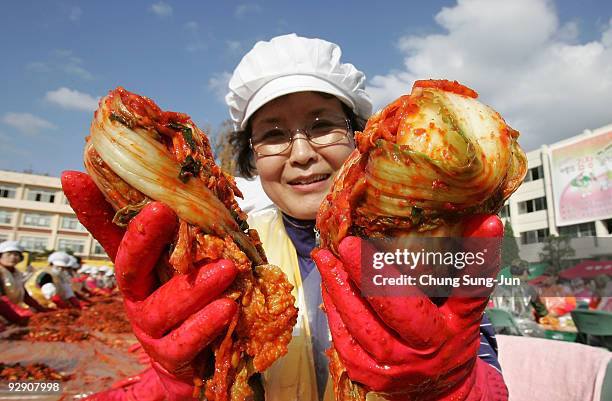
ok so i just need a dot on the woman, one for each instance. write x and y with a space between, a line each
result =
12 291
295 106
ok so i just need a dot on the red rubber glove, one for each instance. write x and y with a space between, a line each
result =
59 302
143 386
76 303
12 312
407 347
175 321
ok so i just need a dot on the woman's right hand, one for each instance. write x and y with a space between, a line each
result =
174 321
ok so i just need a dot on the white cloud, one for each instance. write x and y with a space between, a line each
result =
242 10
61 60
75 13
606 38
521 60
38 66
72 99
161 9
192 26
234 47
218 84
27 123
194 41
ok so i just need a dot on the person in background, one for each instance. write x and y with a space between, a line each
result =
78 280
100 279
90 281
95 282
557 298
109 280
12 290
584 295
57 286
602 299
522 301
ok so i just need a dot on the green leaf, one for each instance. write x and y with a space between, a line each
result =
189 168
187 134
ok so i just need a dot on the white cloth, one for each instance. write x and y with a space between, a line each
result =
48 290
255 198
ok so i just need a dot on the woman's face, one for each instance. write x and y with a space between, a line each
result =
10 259
298 179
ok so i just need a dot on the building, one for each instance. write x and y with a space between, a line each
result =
531 209
34 211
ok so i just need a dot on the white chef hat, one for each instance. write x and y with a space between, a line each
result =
59 258
288 64
10 246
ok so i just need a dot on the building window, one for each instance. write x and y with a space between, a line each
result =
8 191
6 217
534 173
71 223
3 237
534 236
532 205
97 249
608 224
74 245
505 212
34 244
41 195
578 230
37 220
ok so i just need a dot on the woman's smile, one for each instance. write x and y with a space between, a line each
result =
310 183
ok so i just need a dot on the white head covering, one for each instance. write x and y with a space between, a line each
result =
10 246
84 268
289 64
74 263
59 258
48 290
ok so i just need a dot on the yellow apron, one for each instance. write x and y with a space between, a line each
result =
12 285
292 377
34 290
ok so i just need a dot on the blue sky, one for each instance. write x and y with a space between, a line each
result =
546 66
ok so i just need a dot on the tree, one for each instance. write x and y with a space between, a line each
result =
224 151
510 250
555 252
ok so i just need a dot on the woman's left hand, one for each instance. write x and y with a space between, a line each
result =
407 346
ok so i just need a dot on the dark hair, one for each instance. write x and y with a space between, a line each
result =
243 155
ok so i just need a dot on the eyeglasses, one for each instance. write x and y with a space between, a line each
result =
274 140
